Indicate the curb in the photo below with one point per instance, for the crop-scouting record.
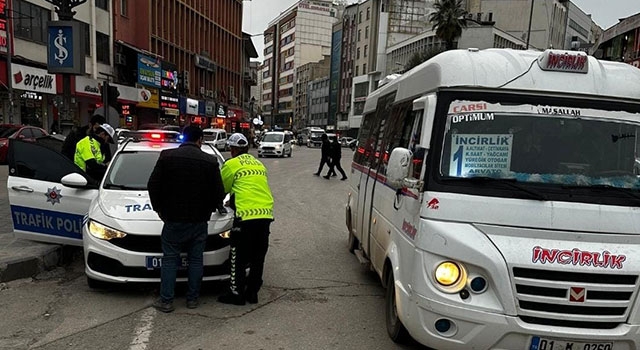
(42, 258)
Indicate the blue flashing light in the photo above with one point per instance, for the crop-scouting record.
(181, 137)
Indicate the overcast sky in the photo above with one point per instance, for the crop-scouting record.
(258, 13)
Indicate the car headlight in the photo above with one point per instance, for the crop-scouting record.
(101, 231)
(278, 146)
(226, 234)
(450, 276)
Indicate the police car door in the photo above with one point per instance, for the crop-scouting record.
(42, 208)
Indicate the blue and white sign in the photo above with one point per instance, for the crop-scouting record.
(480, 155)
(65, 51)
(149, 71)
(47, 222)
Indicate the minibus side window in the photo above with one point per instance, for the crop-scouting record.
(397, 133)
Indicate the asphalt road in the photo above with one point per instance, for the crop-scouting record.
(316, 295)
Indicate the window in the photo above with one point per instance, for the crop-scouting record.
(357, 70)
(366, 32)
(360, 17)
(103, 54)
(31, 21)
(103, 4)
(87, 38)
(364, 68)
(358, 55)
(368, 13)
(359, 32)
(124, 8)
(366, 50)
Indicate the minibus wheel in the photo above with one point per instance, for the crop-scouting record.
(396, 330)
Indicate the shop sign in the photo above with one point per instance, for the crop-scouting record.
(33, 79)
(65, 48)
(149, 98)
(221, 111)
(205, 63)
(210, 108)
(245, 126)
(192, 106)
(149, 71)
(169, 101)
(3, 26)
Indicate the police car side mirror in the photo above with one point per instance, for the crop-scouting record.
(399, 167)
(74, 180)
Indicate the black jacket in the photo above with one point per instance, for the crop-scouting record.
(336, 150)
(326, 149)
(185, 185)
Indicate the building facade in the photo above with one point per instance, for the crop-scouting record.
(318, 102)
(26, 42)
(300, 35)
(170, 48)
(304, 75)
(622, 42)
(347, 63)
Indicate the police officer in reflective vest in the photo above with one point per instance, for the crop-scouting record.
(89, 156)
(245, 179)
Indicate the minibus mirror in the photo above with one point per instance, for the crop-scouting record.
(399, 167)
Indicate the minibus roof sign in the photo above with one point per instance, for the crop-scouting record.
(564, 61)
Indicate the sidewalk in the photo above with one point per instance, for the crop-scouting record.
(22, 258)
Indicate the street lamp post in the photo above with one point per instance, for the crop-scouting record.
(529, 30)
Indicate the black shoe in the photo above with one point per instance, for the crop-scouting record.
(344, 178)
(327, 177)
(192, 304)
(252, 298)
(162, 306)
(316, 174)
(231, 298)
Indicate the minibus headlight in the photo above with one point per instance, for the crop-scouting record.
(450, 276)
(106, 233)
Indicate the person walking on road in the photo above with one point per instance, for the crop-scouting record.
(336, 155)
(185, 212)
(325, 155)
(245, 178)
(88, 153)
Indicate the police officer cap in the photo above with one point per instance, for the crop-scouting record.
(109, 130)
(237, 140)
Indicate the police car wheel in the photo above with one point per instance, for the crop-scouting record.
(396, 330)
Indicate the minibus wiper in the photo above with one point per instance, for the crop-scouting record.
(626, 191)
(510, 182)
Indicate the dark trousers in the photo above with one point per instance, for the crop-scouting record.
(249, 245)
(333, 165)
(180, 237)
(324, 160)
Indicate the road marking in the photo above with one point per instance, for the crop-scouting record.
(143, 330)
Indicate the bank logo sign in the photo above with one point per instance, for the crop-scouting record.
(65, 48)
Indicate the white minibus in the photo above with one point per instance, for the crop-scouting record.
(496, 193)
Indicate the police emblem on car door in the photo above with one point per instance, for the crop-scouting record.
(42, 207)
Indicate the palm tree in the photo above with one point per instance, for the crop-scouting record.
(422, 56)
(448, 20)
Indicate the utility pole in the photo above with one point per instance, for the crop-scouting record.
(64, 9)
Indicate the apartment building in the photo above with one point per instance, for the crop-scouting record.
(304, 75)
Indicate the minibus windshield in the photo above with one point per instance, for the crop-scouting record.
(541, 144)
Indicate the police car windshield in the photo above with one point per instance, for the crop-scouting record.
(542, 144)
(131, 170)
(273, 138)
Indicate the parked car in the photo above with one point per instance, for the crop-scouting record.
(216, 137)
(20, 132)
(345, 140)
(53, 201)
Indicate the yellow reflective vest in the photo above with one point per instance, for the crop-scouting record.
(86, 149)
(246, 178)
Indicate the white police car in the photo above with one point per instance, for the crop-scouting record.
(52, 200)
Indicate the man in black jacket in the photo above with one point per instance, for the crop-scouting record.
(325, 155)
(185, 211)
(336, 155)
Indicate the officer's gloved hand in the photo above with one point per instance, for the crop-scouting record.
(222, 210)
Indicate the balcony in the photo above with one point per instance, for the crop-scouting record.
(251, 77)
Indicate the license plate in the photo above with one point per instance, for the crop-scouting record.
(155, 262)
(538, 343)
